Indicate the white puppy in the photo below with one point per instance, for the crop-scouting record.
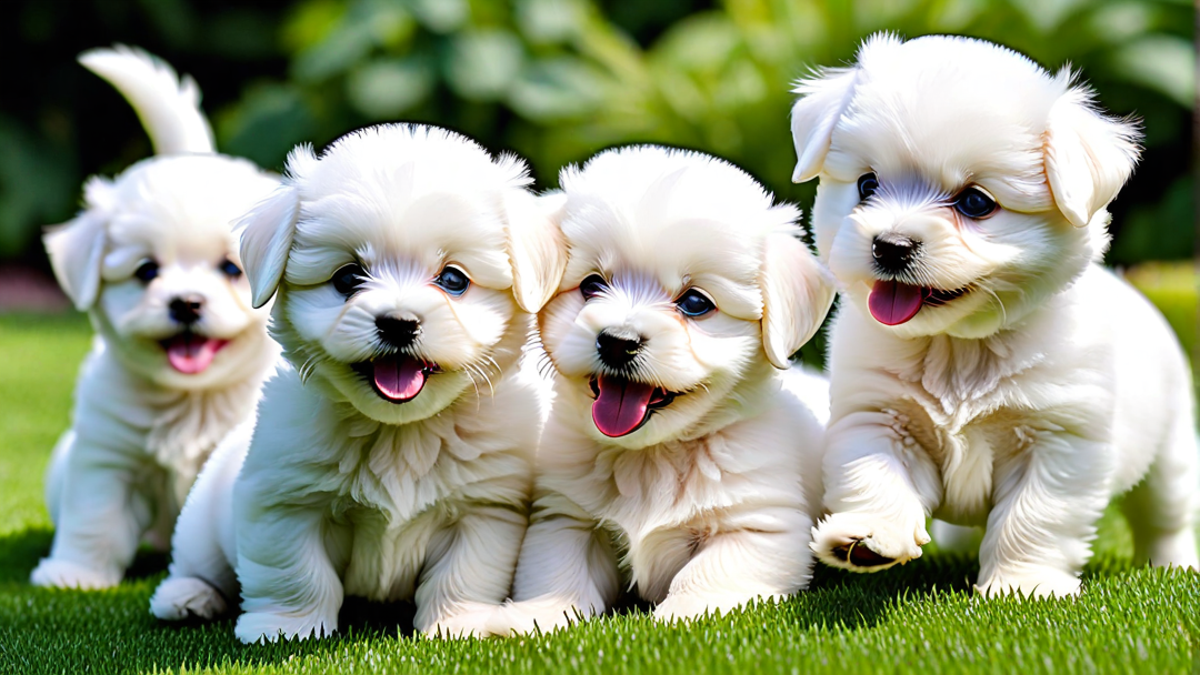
(392, 458)
(985, 369)
(179, 354)
(680, 446)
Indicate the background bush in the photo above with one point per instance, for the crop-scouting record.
(554, 80)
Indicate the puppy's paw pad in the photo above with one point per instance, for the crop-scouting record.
(254, 627)
(178, 598)
(859, 554)
(865, 544)
(62, 574)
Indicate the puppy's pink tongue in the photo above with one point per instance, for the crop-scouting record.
(191, 354)
(399, 378)
(892, 303)
(621, 405)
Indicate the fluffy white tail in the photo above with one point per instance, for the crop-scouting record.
(169, 106)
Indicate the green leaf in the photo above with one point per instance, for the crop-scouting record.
(484, 63)
(1164, 63)
(384, 88)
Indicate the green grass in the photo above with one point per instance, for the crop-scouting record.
(919, 618)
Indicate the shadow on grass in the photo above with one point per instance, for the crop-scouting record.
(21, 551)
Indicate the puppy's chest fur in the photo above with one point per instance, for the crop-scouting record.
(967, 404)
(393, 493)
(175, 430)
(662, 503)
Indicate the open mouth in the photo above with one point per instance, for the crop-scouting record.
(397, 378)
(190, 353)
(893, 303)
(622, 406)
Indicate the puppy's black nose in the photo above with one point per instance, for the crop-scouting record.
(185, 309)
(893, 252)
(618, 349)
(397, 331)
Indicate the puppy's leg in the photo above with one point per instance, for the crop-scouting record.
(98, 524)
(880, 486)
(1046, 501)
(1162, 508)
(201, 578)
(567, 566)
(761, 553)
(468, 572)
(289, 585)
(56, 473)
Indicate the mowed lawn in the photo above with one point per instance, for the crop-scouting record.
(921, 617)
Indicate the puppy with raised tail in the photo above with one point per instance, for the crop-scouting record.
(179, 353)
(392, 454)
(985, 369)
(682, 452)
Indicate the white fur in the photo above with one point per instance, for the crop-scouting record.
(1050, 386)
(709, 504)
(141, 430)
(338, 490)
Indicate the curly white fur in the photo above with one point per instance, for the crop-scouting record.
(708, 503)
(1043, 389)
(338, 489)
(141, 427)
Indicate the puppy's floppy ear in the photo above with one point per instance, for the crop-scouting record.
(76, 248)
(536, 246)
(823, 99)
(797, 293)
(267, 233)
(1088, 156)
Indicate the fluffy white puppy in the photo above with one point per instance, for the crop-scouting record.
(681, 455)
(392, 457)
(985, 369)
(179, 353)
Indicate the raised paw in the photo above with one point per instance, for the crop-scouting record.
(1033, 583)
(255, 627)
(179, 598)
(63, 574)
(866, 543)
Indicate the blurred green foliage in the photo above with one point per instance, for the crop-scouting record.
(556, 80)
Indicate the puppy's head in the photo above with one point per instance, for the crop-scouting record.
(154, 260)
(961, 184)
(403, 258)
(683, 281)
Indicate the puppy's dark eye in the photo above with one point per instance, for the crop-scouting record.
(592, 285)
(452, 280)
(974, 203)
(146, 272)
(348, 278)
(867, 185)
(230, 269)
(694, 304)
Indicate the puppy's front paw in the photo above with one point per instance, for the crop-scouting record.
(255, 627)
(474, 621)
(529, 616)
(178, 598)
(63, 574)
(865, 543)
(1036, 583)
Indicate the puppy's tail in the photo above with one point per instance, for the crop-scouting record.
(169, 106)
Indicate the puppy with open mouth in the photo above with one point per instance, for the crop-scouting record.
(179, 353)
(681, 455)
(392, 453)
(985, 369)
